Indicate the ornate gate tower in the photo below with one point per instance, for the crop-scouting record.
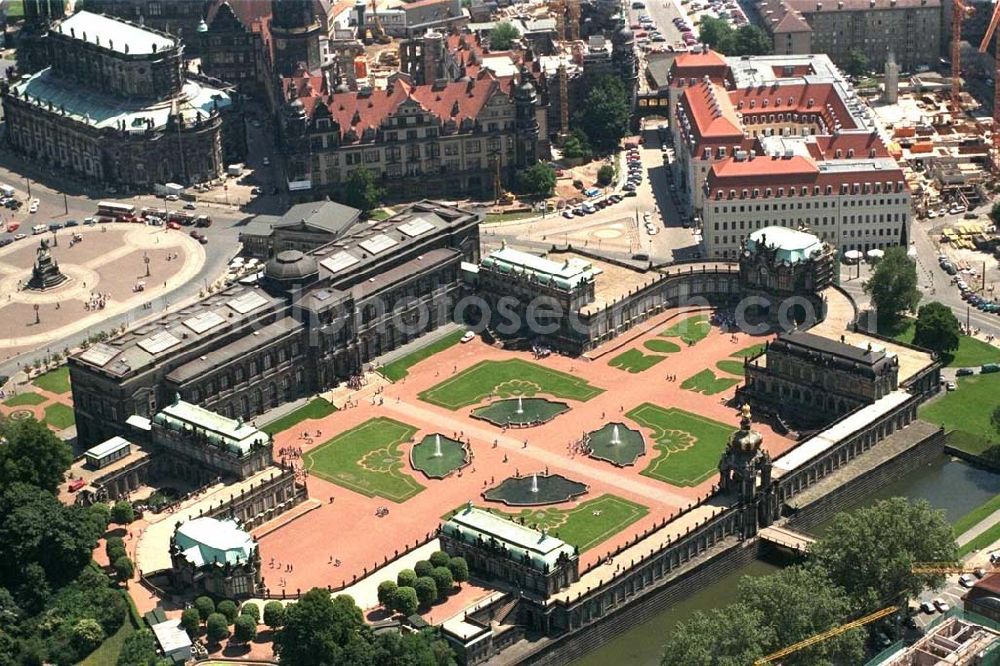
(745, 471)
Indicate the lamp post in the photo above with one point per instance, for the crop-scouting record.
(145, 260)
(37, 320)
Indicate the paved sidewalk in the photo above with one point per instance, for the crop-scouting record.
(979, 528)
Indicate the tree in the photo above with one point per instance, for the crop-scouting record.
(274, 614)
(857, 63)
(459, 569)
(251, 609)
(411, 649)
(799, 602)
(605, 174)
(87, 635)
(503, 35)
(423, 568)
(405, 601)
(191, 621)
(893, 287)
(386, 593)
(139, 649)
(245, 629)
(124, 569)
(33, 455)
(228, 608)
(605, 113)
(443, 581)
(361, 191)
(205, 607)
(100, 515)
(122, 512)
(406, 578)
(217, 627)
(538, 180)
(729, 636)
(576, 146)
(321, 630)
(745, 40)
(114, 548)
(427, 591)
(751, 40)
(36, 528)
(995, 213)
(937, 328)
(870, 552)
(439, 558)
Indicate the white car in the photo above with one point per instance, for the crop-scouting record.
(568, 214)
(468, 337)
(927, 607)
(171, 197)
(33, 208)
(266, 161)
(652, 230)
(941, 605)
(966, 580)
(951, 386)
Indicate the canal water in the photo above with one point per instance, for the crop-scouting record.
(947, 483)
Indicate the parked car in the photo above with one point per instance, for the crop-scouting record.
(171, 197)
(568, 214)
(966, 580)
(941, 605)
(72, 223)
(189, 206)
(964, 372)
(18, 237)
(469, 336)
(927, 607)
(55, 226)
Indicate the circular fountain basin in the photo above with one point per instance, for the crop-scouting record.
(533, 490)
(520, 412)
(624, 452)
(454, 455)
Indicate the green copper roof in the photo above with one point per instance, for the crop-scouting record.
(207, 540)
(793, 246)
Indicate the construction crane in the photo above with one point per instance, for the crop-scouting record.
(959, 12)
(826, 635)
(950, 568)
(983, 47)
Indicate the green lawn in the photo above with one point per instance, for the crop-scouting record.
(107, 652)
(706, 382)
(976, 516)
(506, 379)
(54, 381)
(380, 214)
(634, 360)
(579, 526)
(23, 399)
(967, 412)
(690, 330)
(732, 367)
(689, 445)
(401, 367)
(493, 218)
(661, 346)
(981, 541)
(971, 352)
(316, 408)
(59, 416)
(367, 459)
(752, 350)
(14, 9)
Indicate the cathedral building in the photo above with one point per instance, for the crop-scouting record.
(115, 108)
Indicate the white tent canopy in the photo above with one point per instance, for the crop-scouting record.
(875, 253)
(853, 255)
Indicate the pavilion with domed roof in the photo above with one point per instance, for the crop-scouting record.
(745, 474)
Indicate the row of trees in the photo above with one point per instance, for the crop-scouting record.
(745, 40)
(863, 563)
(319, 630)
(427, 582)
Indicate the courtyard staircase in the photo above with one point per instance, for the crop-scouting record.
(502, 613)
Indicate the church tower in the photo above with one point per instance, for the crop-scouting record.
(745, 472)
(296, 31)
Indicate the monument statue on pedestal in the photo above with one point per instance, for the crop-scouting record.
(46, 273)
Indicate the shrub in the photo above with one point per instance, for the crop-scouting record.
(87, 635)
(406, 578)
(427, 592)
(114, 548)
(122, 513)
(423, 568)
(386, 593)
(217, 627)
(245, 629)
(205, 607)
(124, 569)
(459, 569)
(605, 174)
(443, 580)
(251, 609)
(228, 608)
(406, 601)
(439, 558)
(191, 621)
(274, 614)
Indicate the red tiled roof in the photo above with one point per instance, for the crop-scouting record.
(697, 66)
(825, 147)
(712, 116)
(810, 6)
(819, 98)
(990, 583)
(456, 101)
(774, 172)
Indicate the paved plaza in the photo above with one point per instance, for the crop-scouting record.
(106, 264)
(361, 529)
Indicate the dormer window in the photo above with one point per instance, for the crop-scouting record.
(781, 191)
(767, 192)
